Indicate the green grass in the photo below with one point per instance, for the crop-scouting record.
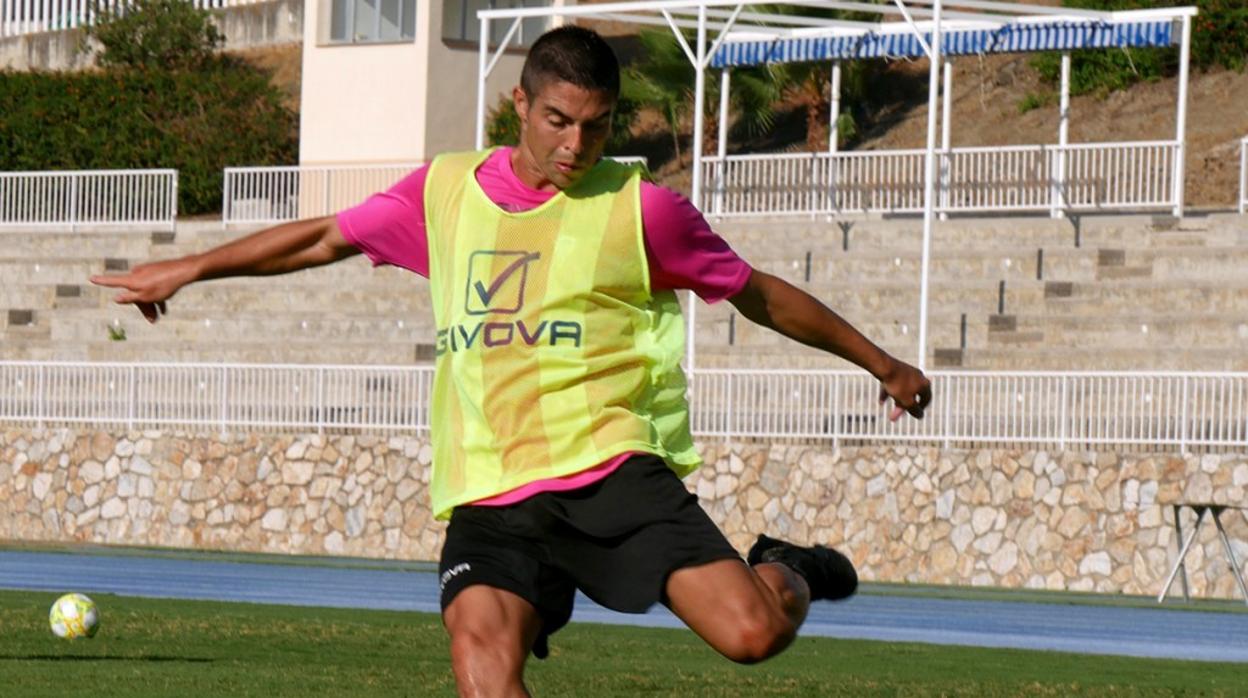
(151, 647)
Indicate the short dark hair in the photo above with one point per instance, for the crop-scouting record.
(571, 54)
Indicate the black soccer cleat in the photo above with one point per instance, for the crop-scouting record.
(829, 574)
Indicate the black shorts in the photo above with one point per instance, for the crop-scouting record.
(617, 540)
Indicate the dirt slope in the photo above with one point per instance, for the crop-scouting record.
(987, 93)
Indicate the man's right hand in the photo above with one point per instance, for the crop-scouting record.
(148, 286)
(910, 390)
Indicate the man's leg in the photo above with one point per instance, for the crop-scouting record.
(745, 613)
(492, 632)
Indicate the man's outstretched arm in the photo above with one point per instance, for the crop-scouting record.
(277, 250)
(778, 305)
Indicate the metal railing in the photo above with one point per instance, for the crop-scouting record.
(1090, 176)
(275, 194)
(216, 396)
(19, 17)
(88, 197)
(1243, 175)
(1062, 410)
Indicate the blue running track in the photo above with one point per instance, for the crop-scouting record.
(1140, 632)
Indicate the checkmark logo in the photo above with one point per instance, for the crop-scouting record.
(501, 291)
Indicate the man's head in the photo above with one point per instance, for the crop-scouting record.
(568, 89)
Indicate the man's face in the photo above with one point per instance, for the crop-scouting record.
(563, 129)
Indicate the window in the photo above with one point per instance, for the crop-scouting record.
(459, 21)
(371, 21)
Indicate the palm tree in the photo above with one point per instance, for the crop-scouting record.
(664, 80)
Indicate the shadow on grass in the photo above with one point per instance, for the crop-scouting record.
(101, 658)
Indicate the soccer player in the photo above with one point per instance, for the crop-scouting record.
(560, 424)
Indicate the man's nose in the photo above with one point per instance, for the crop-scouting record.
(575, 141)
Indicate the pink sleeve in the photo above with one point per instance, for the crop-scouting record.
(683, 251)
(390, 227)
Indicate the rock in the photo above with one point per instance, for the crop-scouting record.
(1199, 489)
(355, 521)
(406, 489)
(982, 519)
(1072, 522)
(127, 485)
(40, 485)
(101, 446)
(944, 505)
(124, 448)
(706, 490)
(961, 537)
(274, 520)
(91, 472)
(140, 466)
(771, 510)
(297, 472)
(876, 486)
(333, 543)
(923, 483)
(1024, 485)
(296, 450)
(87, 517)
(1240, 476)
(113, 508)
(1004, 560)
(1096, 563)
(988, 543)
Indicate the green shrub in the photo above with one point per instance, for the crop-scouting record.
(156, 34)
(195, 122)
(1034, 101)
(162, 102)
(1219, 39)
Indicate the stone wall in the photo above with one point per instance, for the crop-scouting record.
(1093, 521)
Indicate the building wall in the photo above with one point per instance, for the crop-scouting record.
(452, 100)
(1090, 521)
(362, 103)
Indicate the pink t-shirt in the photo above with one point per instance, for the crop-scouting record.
(682, 250)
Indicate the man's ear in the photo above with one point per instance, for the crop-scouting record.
(521, 102)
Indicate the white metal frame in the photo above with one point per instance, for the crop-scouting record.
(729, 19)
(275, 194)
(73, 198)
(1162, 410)
(1243, 175)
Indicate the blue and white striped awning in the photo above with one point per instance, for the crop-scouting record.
(1009, 38)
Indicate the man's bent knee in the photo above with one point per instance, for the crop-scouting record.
(759, 636)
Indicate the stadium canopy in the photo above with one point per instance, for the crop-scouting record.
(753, 32)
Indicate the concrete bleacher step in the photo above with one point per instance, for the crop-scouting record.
(347, 353)
(1159, 332)
(856, 233)
(225, 326)
(1126, 295)
(57, 245)
(1096, 359)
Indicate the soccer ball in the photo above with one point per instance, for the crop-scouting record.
(74, 616)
